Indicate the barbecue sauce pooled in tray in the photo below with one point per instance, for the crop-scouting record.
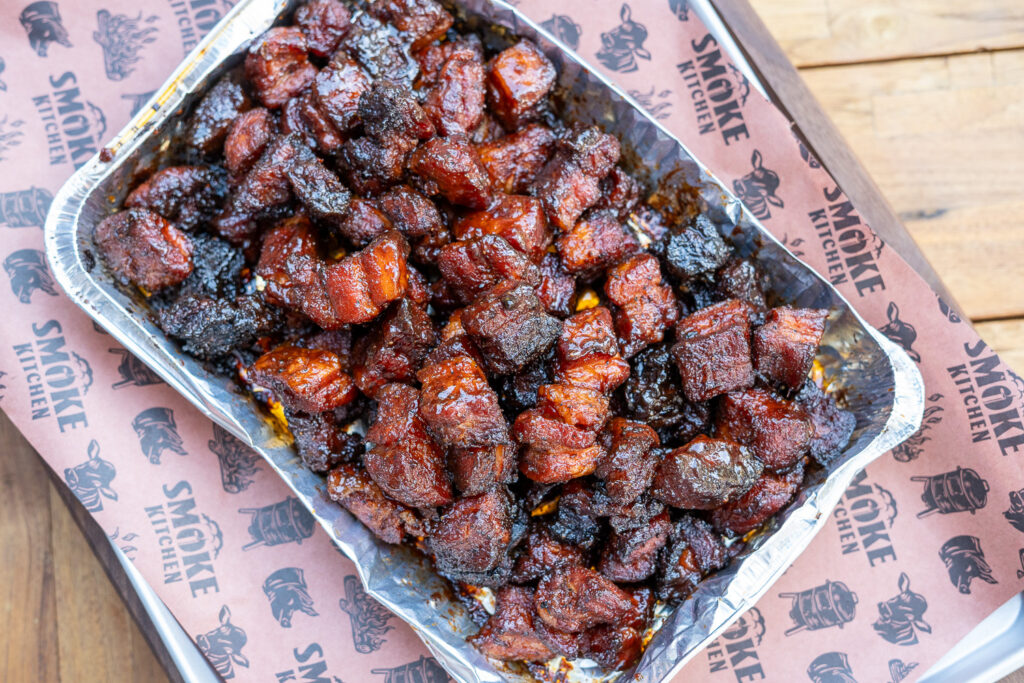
(384, 228)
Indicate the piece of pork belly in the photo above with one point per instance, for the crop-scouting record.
(420, 21)
(576, 598)
(249, 135)
(632, 555)
(510, 327)
(473, 534)
(769, 494)
(519, 219)
(144, 249)
(518, 79)
(785, 346)
(540, 552)
(215, 114)
(646, 306)
(361, 285)
(693, 551)
(595, 243)
(705, 473)
(395, 348)
(322, 443)
(776, 430)
(184, 195)
(306, 380)
(628, 466)
(570, 182)
(510, 634)
(654, 395)
(588, 353)
(451, 168)
(350, 485)
(455, 102)
(557, 288)
(337, 90)
(513, 161)
(278, 65)
(323, 22)
(696, 250)
(712, 350)
(618, 646)
(471, 267)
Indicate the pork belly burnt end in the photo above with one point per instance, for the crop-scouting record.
(628, 465)
(693, 551)
(510, 328)
(518, 79)
(214, 115)
(769, 494)
(184, 195)
(776, 430)
(654, 394)
(645, 305)
(712, 350)
(576, 598)
(471, 267)
(451, 168)
(403, 459)
(350, 485)
(395, 348)
(588, 353)
(211, 327)
(593, 244)
(511, 633)
(784, 347)
(540, 552)
(320, 191)
(696, 250)
(323, 444)
(557, 288)
(552, 450)
(278, 65)
(513, 161)
(361, 285)
(249, 136)
(473, 534)
(142, 248)
(618, 646)
(337, 90)
(421, 21)
(323, 22)
(705, 473)
(570, 182)
(305, 380)
(632, 555)
(455, 102)
(518, 219)
(831, 426)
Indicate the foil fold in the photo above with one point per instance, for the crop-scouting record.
(880, 384)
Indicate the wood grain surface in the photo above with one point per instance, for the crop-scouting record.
(929, 96)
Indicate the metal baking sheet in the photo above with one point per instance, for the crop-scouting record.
(882, 385)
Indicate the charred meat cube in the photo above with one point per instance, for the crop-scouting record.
(511, 634)
(475, 469)
(304, 380)
(419, 288)
(391, 109)
(518, 219)
(570, 182)
(337, 91)
(554, 451)
(519, 391)
(379, 48)
(576, 598)
(361, 285)
(518, 79)
(510, 328)
(557, 288)
(451, 168)
(323, 22)
(473, 534)
(698, 249)
(712, 350)
(693, 551)
(216, 268)
(784, 347)
(620, 193)
(577, 406)
(364, 222)
(321, 442)
(455, 102)
(350, 485)
(371, 166)
(214, 115)
(513, 161)
(588, 354)
(418, 219)
(458, 404)
(144, 249)
(424, 21)
(303, 117)
(831, 426)
(632, 555)
(404, 461)
(654, 394)
(646, 305)
(540, 552)
(618, 646)
(593, 244)
(249, 136)
(210, 327)
(627, 468)
(395, 348)
(278, 65)
(294, 273)
(705, 473)
(432, 57)
(575, 520)
(742, 279)
(768, 495)
(472, 267)
(320, 191)
(776, 430)
(184, 195)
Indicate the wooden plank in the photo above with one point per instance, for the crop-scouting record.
(28, 651)
(943, 136)
(1007, 338)
(819, 32)
(821, 135)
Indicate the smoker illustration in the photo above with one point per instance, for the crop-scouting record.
(24, 208)
(283, 522)
(962, 490)
(830, 604)
(423, 670)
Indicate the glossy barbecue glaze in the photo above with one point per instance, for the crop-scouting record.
(386, 231)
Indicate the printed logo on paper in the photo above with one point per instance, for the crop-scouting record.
(864, 516)
(311, 666)
(28, 273)
(133, 372)
(965, 561)
(898, 670)
(425, 669)
(158, 433)
(657, 104)
(624, 44)
(3, 65)
(680, 8)
(831, 667)
(901, 618)
(195, 18)
(959, 490)
(716, 90)
(828, 605)
(758, 190)
(25, 208)
(900, 332)
(850, 248)
(124, 542)
(57, 378)
(42, 23)
(285, 522)
(369, 618)
(1015, 513)
(223, 645)
(188, 540)
(564, 28)
(736, 649)
(238, 463)
(991, 398)
(914, 445)
(75, 127)
(91, 480)
(122, 38)
(287, 592)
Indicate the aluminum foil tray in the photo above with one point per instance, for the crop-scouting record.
(880, 384)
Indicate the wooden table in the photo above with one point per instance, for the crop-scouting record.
(929, 94)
